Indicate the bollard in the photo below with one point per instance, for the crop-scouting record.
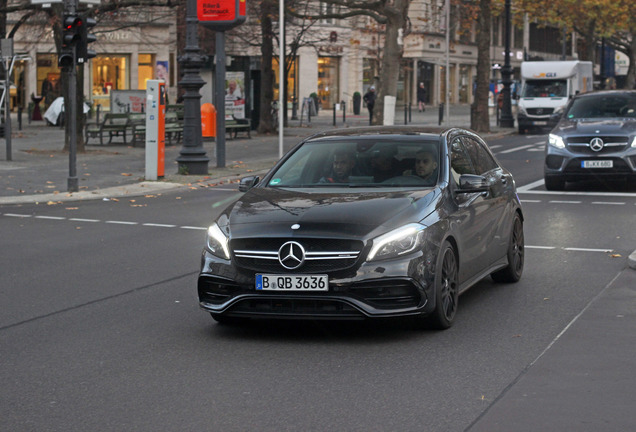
(208, 120)
(19, 117)
(441, 113)
(410, 114)
(309, 110)
(344, 111)
(405, 115)
(334, 114)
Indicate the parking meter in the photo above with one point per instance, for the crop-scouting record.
(155, 129)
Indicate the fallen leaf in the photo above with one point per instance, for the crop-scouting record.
(126, 174)
(615, 255)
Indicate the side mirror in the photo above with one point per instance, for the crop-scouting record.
(248, 183)
(470, 183)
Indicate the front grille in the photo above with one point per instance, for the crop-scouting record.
(539, 111)
(611, 144)
(322, 255)
(295, 307)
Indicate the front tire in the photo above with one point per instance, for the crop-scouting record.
(446, 289)
(516, 253)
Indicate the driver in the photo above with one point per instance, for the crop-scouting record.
(343, 163)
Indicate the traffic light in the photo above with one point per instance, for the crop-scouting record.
(83, 53)
(71, 25)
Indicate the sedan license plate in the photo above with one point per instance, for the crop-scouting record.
(597, 164)
(540, 123)
(292, 282)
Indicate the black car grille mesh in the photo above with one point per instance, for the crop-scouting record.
(540, 111)
(322, 255)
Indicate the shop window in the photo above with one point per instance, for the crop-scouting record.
(328, 81)
(292, 81)
(146, 70)
(109, 72)
(48, 78)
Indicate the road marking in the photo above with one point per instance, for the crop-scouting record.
(17, 215)
(540, 247)
(122, 222)
(193, 228)
(588, 250)
(517, 149)
(84, 220)
(527, 189)
(159, 225)
(607, 203)
(531, 201)
(564, 202)
(51, 217)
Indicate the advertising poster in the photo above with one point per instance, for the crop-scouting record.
(235, 95)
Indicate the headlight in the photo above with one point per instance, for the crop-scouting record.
(217, 242)
(634, 142)
(521, 110)
(397, 242)
(556, 141)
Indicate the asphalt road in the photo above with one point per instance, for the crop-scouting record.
(100, 327)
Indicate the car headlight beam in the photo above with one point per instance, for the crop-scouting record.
(556, 141)
(217, 242)
(397, 242)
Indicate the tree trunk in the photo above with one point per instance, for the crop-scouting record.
(266, 124)
(479, 119)
(630, 82)
(391, 57)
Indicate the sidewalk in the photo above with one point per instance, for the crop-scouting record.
(39, 168)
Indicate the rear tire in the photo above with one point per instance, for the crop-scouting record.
(516, 253)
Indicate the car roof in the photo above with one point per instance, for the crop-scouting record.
(428, 131)
(602, 93)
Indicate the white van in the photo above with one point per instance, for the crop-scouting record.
(546, 87)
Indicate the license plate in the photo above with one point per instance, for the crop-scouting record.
(541, 123)
(597, 164)
(292, 282)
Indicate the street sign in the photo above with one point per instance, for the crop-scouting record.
(221, 15)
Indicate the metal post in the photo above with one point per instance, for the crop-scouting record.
(192, 156)
(334, 114)
(344, 111)
(70, 7)
(219, 98)
(506, 120)
(406, 113)
(7, 111)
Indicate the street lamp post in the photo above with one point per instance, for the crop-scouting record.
(192, 156)
(507, 120)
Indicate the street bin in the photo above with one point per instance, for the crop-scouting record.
(208, 120)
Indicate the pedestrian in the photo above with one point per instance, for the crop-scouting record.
(421, 97)
(369, 99)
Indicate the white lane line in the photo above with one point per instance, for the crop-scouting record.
(564, 202)
(531, 201)
(607, 203)
(493, 147)
(159, 225)
(17, 215)
(532, 185)
(517, 149)
(527, 189)
(122, 222)
(193, 228)
(588, 250)
(84, 220)
(540, 247)
(50, 217)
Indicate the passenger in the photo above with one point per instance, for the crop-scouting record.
(343, 163)
(384, 165)
(425, 166)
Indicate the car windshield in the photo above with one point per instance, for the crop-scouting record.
(363, 162)
(545, 88)
(603, 106)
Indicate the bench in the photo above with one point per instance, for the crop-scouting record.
(137, 125)
(238, 125)
(116, 125)
(174, 126)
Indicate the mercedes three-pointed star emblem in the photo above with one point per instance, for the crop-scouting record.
(291, 255)
(596, 144)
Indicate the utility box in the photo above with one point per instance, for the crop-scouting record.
(155, 129)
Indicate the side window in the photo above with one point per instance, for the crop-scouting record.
(482, 160)
(460, 162)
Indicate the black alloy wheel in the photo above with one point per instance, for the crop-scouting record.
(446, 289)
(516, 253)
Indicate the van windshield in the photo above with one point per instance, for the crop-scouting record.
(545, 88)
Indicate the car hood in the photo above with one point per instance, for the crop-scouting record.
(612, 126)
(272, 212)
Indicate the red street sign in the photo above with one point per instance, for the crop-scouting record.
(221, 14)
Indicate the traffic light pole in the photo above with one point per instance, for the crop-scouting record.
(70, 7)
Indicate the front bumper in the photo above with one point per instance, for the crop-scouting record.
(392, 288)
(564, 163)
